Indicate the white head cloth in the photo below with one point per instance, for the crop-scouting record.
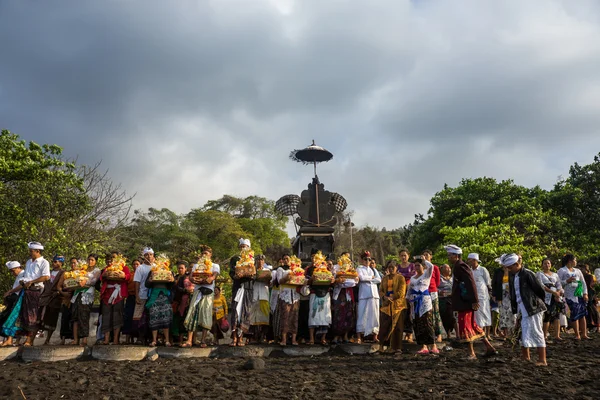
(499, 259)
(474, 256)
(147, 250)
(13, 264)
(453, 249)
(35, 246)
(509, 259)
(244, 242)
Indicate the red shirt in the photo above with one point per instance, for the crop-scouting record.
(106, 292)
(435, 279)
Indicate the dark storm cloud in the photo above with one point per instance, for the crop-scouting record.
(207, 98)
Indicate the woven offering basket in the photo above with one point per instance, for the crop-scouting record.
(245, 271)
(115, 275)
(264, 275)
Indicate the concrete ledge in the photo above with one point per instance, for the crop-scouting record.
(53, 353)
(359, 349)
(9, 352)
(245, 351)
(193, 352)
(139, 353)
(295, 351)
(121, 353)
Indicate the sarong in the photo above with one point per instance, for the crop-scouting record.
(578, 310)
(367, 321)
(200, 312)
(112, 316)
(344, 313)
(319, 316)
(9, 302)
(66, 326)
(160, 312)
(408, 323)
(11, 326)
(507, 318)
(30, 310)
(50, 318)
(242, 308)
(424, 331)
(80, 315)
(128, 314)
(391, 329)
(593, 317)
(259, 313)
(276, 320)
(532, 333)
(483, 316)
(288, 317)
(302, 322)
(447, 314)
(553, 311)
(468, 329)
(437, 319)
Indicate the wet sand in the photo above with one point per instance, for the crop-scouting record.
(573, 373)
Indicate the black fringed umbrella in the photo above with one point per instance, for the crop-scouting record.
(312, 154)
(288, 204)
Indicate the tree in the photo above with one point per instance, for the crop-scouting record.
(490, 217)
(39, 194)
(577, 200)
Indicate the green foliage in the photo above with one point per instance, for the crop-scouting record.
(40, 197)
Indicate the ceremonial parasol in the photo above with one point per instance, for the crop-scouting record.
(339, 202)
(312, 154)
(288, 204)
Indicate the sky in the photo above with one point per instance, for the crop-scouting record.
(186, 101)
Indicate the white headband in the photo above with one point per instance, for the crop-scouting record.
(474, 256)
(453, 249)
(35, 246)
(13, 264)
(147, 250)
(245, 242)
(509, 259)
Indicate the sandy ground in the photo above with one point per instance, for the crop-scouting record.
(573, 373)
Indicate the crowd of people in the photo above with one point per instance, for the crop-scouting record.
(409, 300)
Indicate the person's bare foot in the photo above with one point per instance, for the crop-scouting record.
(541, 364)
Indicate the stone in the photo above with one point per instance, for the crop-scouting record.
(153, 357)
(9, 352)
(121, 353)
(52, 353)
(254, 364)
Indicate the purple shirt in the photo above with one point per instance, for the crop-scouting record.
(407, 272)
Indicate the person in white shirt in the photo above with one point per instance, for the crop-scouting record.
(37, 271)
(576, 294)
(527, 298)
(343, 306)
(483, 283)
(140, 316)
(82, 301)
(421, 306)
(368, 299)
(260, 309)
(8, 328)
(199, 314)
(288, 305)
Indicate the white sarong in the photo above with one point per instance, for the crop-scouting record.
(319, 311)
(532, 333)
(368, 316)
